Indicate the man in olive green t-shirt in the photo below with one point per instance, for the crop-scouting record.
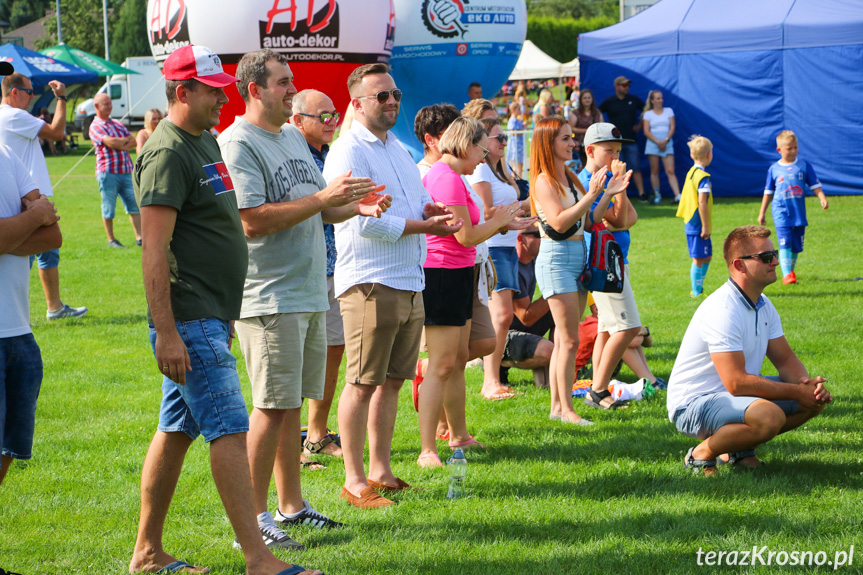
(194, 260)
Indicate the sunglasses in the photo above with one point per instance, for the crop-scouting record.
(486, 151)
(28, 91)
(384, 96)
(501, 138)
(765, 257)
(326, 118)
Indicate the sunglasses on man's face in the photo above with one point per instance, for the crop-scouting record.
(326, 118)
(501, 138)
(28, 91)
(384, 96)
(765, 257)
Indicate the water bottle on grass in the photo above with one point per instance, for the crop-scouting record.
(457, 465)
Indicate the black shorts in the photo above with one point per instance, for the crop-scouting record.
(448, 296)
(520, 345)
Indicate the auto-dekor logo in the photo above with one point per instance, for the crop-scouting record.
(167, 26)
(443, 17)
(316, 26)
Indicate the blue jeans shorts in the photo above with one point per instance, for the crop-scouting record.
(211, 403)
(791, 238)
(699, 247)
(112, 185)
(506, 267)
(706, 414)
(47, 260)
(559, 266)
(20, 382)
(629, 154)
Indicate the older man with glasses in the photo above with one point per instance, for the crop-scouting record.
(379, 281)
(716, 392)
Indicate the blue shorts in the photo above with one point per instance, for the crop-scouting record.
(629, 154)
(652, 149)
(699, 247)
(506, 267)
(47, 260)
(791, 238)
(112, 185)
(211, 403)
(559, 266)
(20, 382)
(706, 414)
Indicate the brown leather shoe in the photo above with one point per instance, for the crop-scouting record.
(400, 485)
(368, 499)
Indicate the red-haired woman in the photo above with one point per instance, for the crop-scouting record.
(562, 204)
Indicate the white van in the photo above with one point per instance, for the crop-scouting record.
(132, 95)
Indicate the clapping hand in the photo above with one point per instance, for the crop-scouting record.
(374, 204)
(619, 179)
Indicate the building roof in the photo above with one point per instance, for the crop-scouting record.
(28, 34)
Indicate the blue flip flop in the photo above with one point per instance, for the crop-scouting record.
(295, 570)
(174, 567)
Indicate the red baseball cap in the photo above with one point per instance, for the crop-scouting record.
(198, 63)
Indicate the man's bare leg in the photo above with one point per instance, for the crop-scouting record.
(5, 462)
(159, 478)
(353, 415)
(286, 470)
(50, 278)
(319, 410)
(109, 229)
(265, 428)
(136, 225)
(381, 427)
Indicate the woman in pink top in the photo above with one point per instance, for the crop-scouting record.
(448, 295)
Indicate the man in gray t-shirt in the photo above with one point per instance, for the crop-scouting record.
(283, 200)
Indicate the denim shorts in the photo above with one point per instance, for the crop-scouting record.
(112, 185)
(629, 154)
(211, 403)
(506, 267)
(559, 266)
(706, 414)
(652, 149)
(699, 247)
(791, 238)
(47, 260)
(20, 382)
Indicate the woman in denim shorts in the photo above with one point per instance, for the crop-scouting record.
(562, 205)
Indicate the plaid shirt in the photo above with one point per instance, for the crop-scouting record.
(109, 160)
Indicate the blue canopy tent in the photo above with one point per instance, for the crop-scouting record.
(740, 72)
(41, 69)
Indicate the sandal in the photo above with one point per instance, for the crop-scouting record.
(594, 399)
(317, 447)
(467, 444)
(312, 465)
(735, 458)
(706, 466)
(436, 463)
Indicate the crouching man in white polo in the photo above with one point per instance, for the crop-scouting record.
(716, 392)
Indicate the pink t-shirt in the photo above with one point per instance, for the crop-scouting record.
(446, 186)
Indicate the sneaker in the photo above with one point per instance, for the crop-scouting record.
(676, 199)
(115, 244)
(66, 311)
(660, 384)
(307, 516)
(657, 198)
(274, 538)
(139, 242)
(790, 278)
(643, 199)
(694, 295)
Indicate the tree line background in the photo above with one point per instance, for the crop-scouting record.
(553, 25)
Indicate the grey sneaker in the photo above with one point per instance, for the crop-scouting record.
(115, 244)
(307, 516)
(66, 311)
(275, 538)
(139, 243)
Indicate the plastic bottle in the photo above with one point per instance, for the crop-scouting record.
(457, 465)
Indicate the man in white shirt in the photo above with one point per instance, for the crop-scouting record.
(716, 392)
(28, 225)
(379, 281)
(21, 132)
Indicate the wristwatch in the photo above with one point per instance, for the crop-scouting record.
(64, 98)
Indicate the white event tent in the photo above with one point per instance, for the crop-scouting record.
(534, 64)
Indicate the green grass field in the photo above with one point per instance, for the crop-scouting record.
(545, 498)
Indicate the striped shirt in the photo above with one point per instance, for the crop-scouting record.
(373, 250)
(109, 160)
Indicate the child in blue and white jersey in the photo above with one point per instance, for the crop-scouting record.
(786, 185)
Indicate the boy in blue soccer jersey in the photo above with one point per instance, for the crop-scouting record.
(696, 209)
(787, 181)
